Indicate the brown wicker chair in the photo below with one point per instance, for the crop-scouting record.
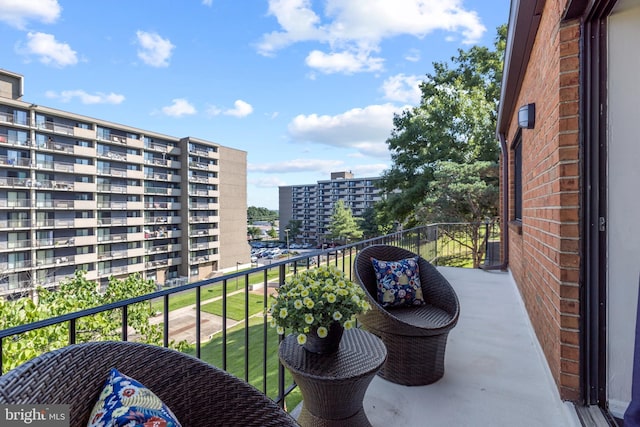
(199, 394)
(415, 337)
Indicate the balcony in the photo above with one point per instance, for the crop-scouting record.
(120, 237)
(495, 372)
(14, 244)
(14, 119)
(55, 261)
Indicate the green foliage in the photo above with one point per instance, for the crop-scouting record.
(466, 193)
(75, 294)
(316, 298)
(294, 226)
(272, 233)
(374, 222)
(261, 214)
(461, 192)
(455, 122)
(343, 226)
(254, 232)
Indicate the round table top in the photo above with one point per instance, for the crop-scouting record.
(360, 353)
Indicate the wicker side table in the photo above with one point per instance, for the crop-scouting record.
(333, 386)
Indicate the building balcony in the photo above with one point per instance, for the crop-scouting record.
(110, 238)
(15, 223)
(14, 119)
(495, 371)
(112, 271)
(55, 261)
(122, 253)
(14, 244)
(17, 162)
(55, 242)
(113, 221)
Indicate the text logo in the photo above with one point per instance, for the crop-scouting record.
(34, 415)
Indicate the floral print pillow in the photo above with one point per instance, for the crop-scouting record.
(126, 402)
(398, 282)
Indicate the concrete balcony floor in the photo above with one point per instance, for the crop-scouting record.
(495, 371)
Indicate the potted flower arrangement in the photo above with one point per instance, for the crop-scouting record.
(317, 305)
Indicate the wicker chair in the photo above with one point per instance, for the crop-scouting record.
(199, 394)
(415, 337)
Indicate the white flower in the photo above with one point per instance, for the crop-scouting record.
(322, 332)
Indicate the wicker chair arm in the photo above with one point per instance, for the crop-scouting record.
(197, 393)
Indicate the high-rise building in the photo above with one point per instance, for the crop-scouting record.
(312, 204)
(83, 193)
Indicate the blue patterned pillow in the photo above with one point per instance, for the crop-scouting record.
(398, 282)
(126, 402)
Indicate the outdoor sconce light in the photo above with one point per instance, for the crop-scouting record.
(527, 116)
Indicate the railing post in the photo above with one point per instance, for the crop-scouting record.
(435, 257)
(198, 321)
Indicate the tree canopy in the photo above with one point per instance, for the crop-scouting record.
(295, 227)
(76, 294)
(455, 122)
(261, 214)
(343, 225)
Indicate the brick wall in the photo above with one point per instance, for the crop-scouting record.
(544, 248)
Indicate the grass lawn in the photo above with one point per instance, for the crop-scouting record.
(211, 352)
(236, 306)
(186, 298)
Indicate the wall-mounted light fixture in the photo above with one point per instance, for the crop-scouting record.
(527, 116)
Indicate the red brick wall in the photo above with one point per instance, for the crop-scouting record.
(544, 252)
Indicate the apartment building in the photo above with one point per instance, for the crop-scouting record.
(83, 193)
(313, 204)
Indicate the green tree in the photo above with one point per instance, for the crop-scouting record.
(343, 226)
(374, 222)
(254, 232)
(465, 193)
(261, 214)
(272, 233)
(455, 121)
(295, 227)
(75, 294)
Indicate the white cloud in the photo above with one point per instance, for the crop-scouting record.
(17, 12)
(267, 182)
(297, 165)
(180, 107)
(364, 171)
(213, 111)
(363, 129)
(49, 50)
(298, 22)
(413, 55)
(207, 2)
(403, 88)
(240, 109)
(86, 98)
(154, 50)
(343, 62)
(358, 27)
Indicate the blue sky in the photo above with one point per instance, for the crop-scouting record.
(305, 87)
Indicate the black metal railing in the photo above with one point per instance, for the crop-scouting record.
(442, 244)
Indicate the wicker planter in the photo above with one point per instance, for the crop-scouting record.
(326, 345)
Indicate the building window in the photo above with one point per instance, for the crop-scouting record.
(517, 177)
